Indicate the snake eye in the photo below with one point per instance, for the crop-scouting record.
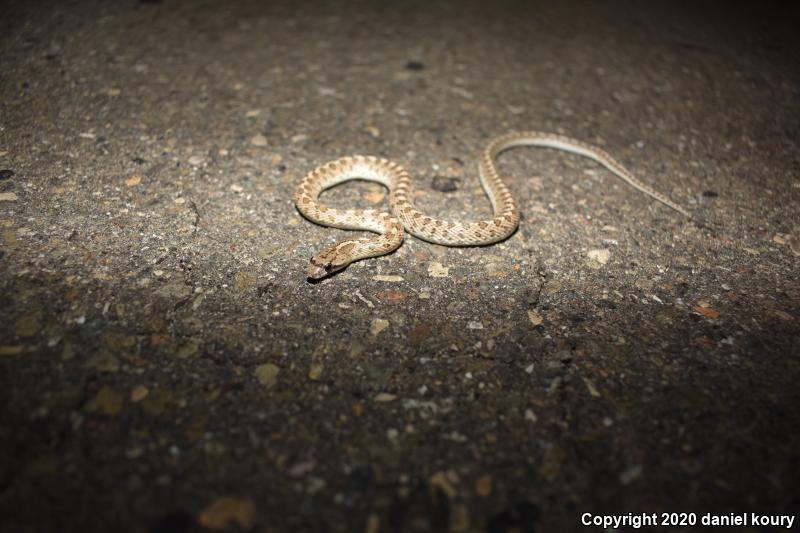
(328, 267)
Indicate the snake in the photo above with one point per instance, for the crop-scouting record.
(404, 216)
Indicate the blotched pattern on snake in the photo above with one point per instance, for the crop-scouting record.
(405, 217)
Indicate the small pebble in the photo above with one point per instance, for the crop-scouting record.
(267, 374)
(258, 140)
(378, 325)
(390, 279)
(227, 511)
(706, 311)
(383, 397)
(437, 270)
(599, 256)
(444, 480)
(534, 317)
(591, 388)
(794, 244)
(139, 393)
(302, 468)
(392, 297)
(483, 487)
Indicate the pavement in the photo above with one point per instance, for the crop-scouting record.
(165, 366)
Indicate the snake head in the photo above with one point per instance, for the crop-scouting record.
(330, 260)
(319, 270)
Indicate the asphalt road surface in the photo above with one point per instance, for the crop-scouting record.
(165, 366)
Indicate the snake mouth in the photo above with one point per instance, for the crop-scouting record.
(317, 270)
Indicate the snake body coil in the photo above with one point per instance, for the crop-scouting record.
(405, 217)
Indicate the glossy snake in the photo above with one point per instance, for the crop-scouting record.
(390, 227)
